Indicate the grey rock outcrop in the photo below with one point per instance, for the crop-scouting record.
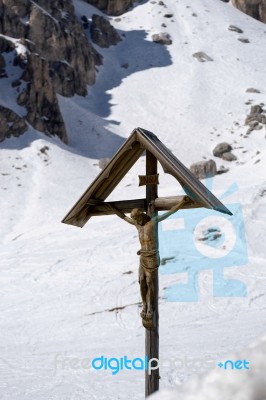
(202, 57)
(58, 58)
(103, 33)
(204, 169)
(221, 148)
(57, 36)
(11, 12)
(256, 118)
(112, 7)
(162, 38)
(40, 99)
(2, 61)
(10, 124)
(252, 90)
(2, 67)
(228, 156)
(254, 8)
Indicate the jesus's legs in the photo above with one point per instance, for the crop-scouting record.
(143, 292)
(149, 295)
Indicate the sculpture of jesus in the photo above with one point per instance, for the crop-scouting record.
(149, 253)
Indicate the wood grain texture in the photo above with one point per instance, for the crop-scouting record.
(152, 335)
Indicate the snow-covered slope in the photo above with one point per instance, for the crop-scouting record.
(220, 384)
(58, 282)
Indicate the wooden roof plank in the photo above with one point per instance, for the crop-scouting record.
(171, 165)
(120, 164)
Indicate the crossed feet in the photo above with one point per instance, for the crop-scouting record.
(147, 315)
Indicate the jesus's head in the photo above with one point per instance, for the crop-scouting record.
(140, 217)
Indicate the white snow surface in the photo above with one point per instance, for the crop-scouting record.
(59, 283)
(227, 384)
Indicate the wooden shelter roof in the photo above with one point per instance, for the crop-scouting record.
(139, 141)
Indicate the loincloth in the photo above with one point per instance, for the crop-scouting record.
(149, 260)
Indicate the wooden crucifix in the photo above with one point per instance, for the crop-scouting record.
(144, 216)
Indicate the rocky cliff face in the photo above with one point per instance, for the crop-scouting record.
(254, 8)
(47, 42)
(112, 7)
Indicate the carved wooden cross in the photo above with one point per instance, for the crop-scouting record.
(93, 203)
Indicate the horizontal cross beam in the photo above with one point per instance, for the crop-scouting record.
(126, 206)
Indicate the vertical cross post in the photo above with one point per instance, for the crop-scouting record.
(152, 334)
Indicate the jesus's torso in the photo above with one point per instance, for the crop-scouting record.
(147, 236)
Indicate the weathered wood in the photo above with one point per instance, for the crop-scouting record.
(119, 170)
(161, 204)
(148, 180)
(165, 203)
(121, 163)
(152, 335)
(124, 206)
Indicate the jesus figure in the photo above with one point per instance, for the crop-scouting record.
(149, 253)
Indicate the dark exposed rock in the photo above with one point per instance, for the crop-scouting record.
(252, 126)
(3, 74)
(204, 169)
(162, 38)
(221, 148)
(256, 109)
(103, 33)
(234, 28)
(254, 8)
(2, 62)
(64, 40)
(10, 124)
(261, 118)
(84, 18)
(243, 40)
(202, 57)
(125, 65)
(255, 118)
(228, 156)
(22, 98)
(251, 120)
(20, 60)
(63, 78)
(20, 8)
(11, 12)
(40, 99)
(252, 90)
(112, 7)
(67, 59)
(222, 170)
(6, 46)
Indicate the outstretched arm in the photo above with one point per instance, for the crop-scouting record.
(121, 215)
(94, 202)
(175, 208)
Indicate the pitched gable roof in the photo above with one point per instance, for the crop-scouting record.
(139, 141)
